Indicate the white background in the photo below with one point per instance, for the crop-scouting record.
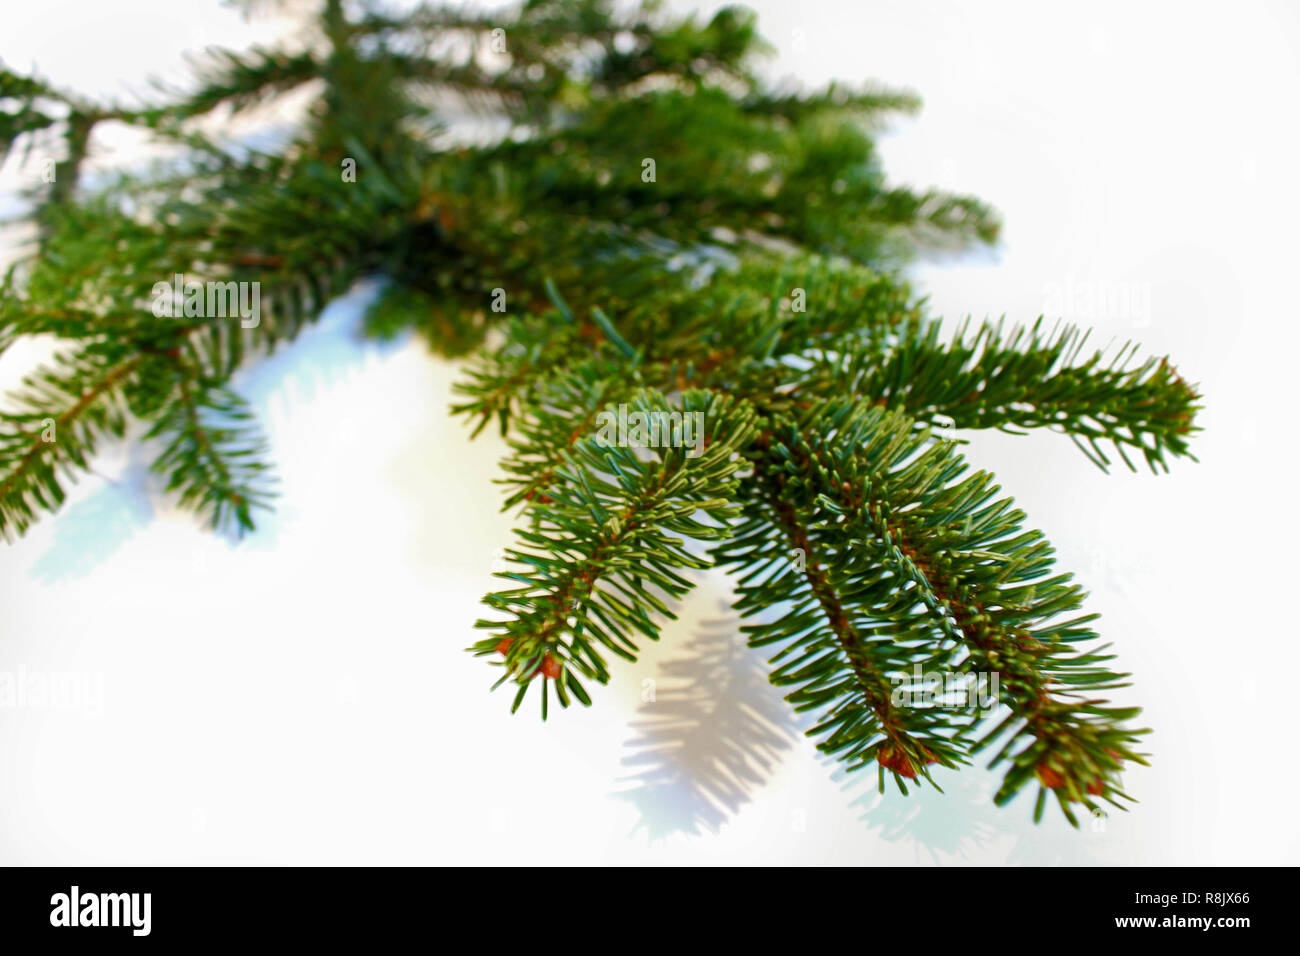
(303, 696)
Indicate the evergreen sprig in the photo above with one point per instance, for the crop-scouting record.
(1030, 378)
(604, 548)
(213, 456)
(909, 561)
(618, 218)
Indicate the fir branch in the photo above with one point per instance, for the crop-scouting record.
(1030, 378)
(61, 414)
(973, 575)
(834, 651)
(610, 528)
(212, 458)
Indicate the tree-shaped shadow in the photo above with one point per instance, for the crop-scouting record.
(712, 734)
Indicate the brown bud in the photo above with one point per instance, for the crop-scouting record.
(897, 761)
(1050, 777)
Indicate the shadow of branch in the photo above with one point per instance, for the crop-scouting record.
(709, 735)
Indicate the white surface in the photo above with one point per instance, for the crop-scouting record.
(304, 697)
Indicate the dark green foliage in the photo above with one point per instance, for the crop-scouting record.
(54, 426)
(212, 454)
(909, 560)
(1027, 379)
(637, 225)
(604, 545)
